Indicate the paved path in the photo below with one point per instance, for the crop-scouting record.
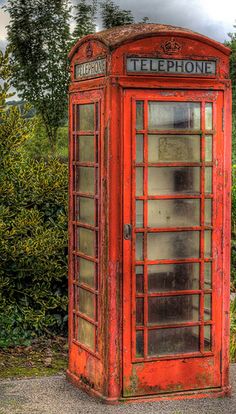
(54, 395)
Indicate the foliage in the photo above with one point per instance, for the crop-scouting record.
(84, 18)
(33, 232)
(37, 146)
(233, 331)
(39, 36)
(112, 15)
(232, 44)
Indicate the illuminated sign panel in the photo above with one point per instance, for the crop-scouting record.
(90, 69)
(181, 66)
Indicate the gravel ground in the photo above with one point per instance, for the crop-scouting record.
(54, 395)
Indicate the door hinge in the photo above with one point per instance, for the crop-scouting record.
(127, 231)
(223, 119)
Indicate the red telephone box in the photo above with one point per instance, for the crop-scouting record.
(149, 245)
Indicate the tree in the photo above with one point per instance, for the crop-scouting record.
(39, 36)
(113, 15)
(85, 18)
(232, 44)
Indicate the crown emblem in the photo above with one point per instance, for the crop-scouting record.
(89, 50)
(171, 46)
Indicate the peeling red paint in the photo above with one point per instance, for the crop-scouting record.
(112, 371)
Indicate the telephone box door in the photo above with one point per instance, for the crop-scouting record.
(172, 286)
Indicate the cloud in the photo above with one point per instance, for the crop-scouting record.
(213, 18)
(4, 20)
(196, 15)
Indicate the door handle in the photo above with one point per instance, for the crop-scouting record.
(127, 231)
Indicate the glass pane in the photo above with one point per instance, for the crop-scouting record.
(207, 273)
(173, 309)
(86, 303)
(208, 148)
(85, 180)
(87, 210)
(87, 272)
(86, 239)
(208, 115)
(173, 180)
(208, 180)
(139, 311)
(139, 279)
(173, 148)
(207, 243)
(139, 246)
(85, 148)
(173, 341)
(86, 333)
(139, 115)
(207, 338)
(139, 344)
(207, 307)
(139, 148)
(85, 117)
(168, 277)
(139, 213)
(173, 245)
(139, 181)
(208, 212)
(173, 213)
(173, 115)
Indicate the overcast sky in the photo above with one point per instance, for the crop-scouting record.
(214, 18)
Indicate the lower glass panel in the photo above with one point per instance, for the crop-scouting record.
(173, 309)
(207, 338)
(86, 241)
(139, 246)
(87, 272)
(87, 210)
(173, 341)
(169, 277)
(207, 243)
(139, 279)
(85, 148)
(86, 333)
(174, 148)
(139, 311)
(139, 344)
(173, 245)
(85, 180)
(139, 213)
(207, 276)
(207, 307)
(86, 303)
(173, 180)
(208, 211)
(139, 148)
(139, 181)
(208, 180)
(173, 213)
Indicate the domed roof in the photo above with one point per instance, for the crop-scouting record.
(116, 36)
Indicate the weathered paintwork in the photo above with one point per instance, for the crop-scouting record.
(112, 372)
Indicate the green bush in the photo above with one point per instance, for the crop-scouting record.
(233, 331)
(33, 230)
(33, 247)
(37, 146)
